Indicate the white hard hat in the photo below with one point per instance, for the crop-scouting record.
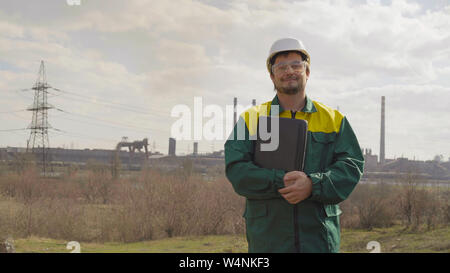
(286, 44)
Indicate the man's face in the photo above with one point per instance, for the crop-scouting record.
(289, 81)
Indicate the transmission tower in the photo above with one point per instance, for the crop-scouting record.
(39, 141)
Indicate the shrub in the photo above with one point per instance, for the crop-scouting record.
(152, 204)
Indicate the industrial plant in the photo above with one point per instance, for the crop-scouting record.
(134, 154)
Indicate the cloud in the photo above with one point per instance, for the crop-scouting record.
(170, 53)
(156, 54)
(11, 30)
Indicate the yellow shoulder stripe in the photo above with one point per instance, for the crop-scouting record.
(251, 116)
(326, 119)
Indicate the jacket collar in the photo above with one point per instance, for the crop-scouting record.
(308, 108)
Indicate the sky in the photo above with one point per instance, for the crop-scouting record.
(122, 66)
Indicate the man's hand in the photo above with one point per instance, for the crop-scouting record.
(298, 187)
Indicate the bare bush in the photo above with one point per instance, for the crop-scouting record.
(220, 209)
(93, 206)
(381, 205)
(97, 187)
(68, 221)
(132, 212)
(369, 206)
(418, 205)
(173, 209)
(23, 162)
(446, 209)
(166, 206)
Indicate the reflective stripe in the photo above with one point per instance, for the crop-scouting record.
(251, 116)
(326, 119)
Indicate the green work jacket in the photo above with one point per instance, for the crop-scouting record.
(333, 161)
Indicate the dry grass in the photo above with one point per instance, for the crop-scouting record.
(409, 203)
(98, 206)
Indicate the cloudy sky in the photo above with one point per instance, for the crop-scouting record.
(122, 66)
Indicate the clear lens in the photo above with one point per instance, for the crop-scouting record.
(296, 66)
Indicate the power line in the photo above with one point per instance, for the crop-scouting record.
(89, 99)
(122, 125)
(40, 127)
(96, 100)
(13, 111)
(116, 105)
(107, 123)
(99, 124)
(11, 130)
(83, 135)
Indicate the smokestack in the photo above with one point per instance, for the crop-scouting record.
(382, 132)
(253, 102)
(235, 110)
(195, 148)
(172, 145)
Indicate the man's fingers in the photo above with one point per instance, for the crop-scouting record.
(291, 198)
(289, 180)
(288, 183)
(292, 175)
(286, 189)
(294, 197)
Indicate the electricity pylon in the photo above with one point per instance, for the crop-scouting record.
(39, 141)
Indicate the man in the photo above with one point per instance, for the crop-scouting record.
(295, 211)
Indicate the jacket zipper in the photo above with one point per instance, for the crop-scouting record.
(296, 238)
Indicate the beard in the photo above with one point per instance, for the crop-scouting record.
(290, 89)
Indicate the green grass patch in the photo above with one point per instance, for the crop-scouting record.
(396, 239)
(199, 244)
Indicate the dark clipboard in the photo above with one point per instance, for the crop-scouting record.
(290, 155)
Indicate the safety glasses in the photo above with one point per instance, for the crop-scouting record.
(296, 66)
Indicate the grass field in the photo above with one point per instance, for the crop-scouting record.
(394, 239)
(95, 208)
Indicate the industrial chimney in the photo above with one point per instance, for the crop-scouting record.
(195, 149)
(172, 146)
(382, 143)
(235, 110)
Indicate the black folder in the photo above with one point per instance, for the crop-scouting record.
(290, 155)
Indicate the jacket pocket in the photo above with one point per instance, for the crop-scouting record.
(320, 151)
(323, 138)
(257, 226)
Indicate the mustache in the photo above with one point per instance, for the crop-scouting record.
(290, 78)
